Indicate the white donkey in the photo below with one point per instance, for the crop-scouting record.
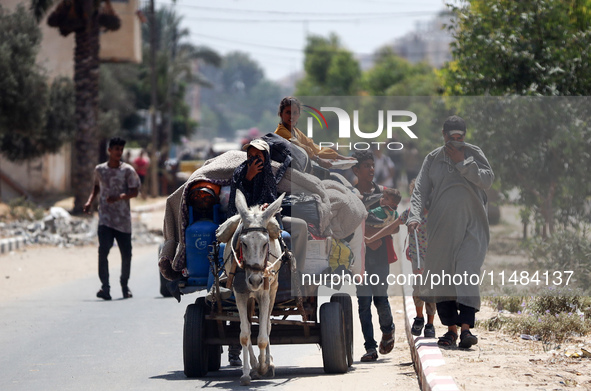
(254, 246)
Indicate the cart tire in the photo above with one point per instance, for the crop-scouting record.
(332, 338)
(345, 301)
(195, 350)
(214, 359)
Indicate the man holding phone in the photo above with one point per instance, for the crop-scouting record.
(451, 186)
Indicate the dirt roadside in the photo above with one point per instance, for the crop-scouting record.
(504, 361)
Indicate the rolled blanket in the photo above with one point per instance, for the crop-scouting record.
(347, 210)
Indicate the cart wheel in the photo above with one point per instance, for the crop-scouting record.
(195, 350)
(345, 301)
(214, 359)
(332, 338)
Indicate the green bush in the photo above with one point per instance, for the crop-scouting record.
(557, 300)
(23, 209)
(493, 324)
(550, 327)
(512, 304)
(564, 251)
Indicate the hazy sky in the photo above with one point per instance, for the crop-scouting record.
(274, 32)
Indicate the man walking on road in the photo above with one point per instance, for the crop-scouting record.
(117, 182)
(451, 186)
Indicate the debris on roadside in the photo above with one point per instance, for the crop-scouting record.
(579, 351)
(59, 228)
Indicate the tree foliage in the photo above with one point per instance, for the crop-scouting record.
(117, 101)
(241, 98)
(330, 69)
(540, 146)
(22, 82)
(176, 70)
(532, 48)
(389, 69)
(35, 118)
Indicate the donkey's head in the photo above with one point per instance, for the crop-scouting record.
(254, 238)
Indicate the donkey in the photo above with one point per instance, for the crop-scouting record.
(254, 247)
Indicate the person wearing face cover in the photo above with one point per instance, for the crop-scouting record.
(255, 179)
(451, 186)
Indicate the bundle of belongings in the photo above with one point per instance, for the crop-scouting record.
(330, 207)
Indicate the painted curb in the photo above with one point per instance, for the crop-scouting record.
(425, 353)
(10, 244)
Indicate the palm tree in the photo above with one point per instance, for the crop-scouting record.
(84, 18)
(174, 65)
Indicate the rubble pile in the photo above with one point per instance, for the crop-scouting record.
(59, 228)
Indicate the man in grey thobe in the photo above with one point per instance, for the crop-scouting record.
(451, 186)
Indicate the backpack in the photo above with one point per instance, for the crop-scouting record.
(283, 151)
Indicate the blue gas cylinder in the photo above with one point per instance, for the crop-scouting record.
(198, 236)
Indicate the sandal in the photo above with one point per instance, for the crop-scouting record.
(467, 339)
(429, 331)
(417, 326)
(387, 343)
(448, 340)
(370, 355)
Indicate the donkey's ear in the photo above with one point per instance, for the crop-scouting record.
(274, 208)
(241, 204)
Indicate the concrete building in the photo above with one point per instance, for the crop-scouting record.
(51, 174)
(429, 42)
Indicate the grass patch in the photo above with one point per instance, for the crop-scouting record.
(553, 316)
(548, 327)
(23, 209)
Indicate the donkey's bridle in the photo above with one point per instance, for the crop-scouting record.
(267, 270)
(239, 257)
(251, 229)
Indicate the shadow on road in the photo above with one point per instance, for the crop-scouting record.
(229, 378)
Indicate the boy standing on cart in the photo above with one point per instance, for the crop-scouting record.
(376, 263)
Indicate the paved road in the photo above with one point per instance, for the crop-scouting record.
(62, 338)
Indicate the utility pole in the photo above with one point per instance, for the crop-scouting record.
(153, 105)
(171, 89)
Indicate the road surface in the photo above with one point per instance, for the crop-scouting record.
(61, 337)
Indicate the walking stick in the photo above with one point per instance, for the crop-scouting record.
(418, 253)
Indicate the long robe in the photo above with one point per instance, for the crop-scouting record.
(457, 226)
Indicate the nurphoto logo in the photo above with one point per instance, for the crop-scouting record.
(393, 119)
